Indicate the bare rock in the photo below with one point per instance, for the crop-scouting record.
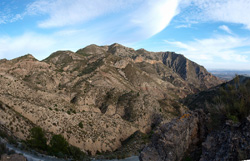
(173, 139)
(230, 143)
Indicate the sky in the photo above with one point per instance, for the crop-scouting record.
(213, 33)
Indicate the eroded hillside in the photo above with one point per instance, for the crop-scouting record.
(113, 91)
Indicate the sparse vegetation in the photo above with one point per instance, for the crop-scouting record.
(91, 67)
(233, 100)
(82, 52)
(58, 145)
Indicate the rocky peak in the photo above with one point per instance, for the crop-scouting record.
(142, 51)
(60, 57)
(3, 60)
(92, 50)
(120, 50)
(27, 57)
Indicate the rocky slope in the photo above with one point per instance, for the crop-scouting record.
(187, 138)
(113, 91)
(231, 143)
(216, 128)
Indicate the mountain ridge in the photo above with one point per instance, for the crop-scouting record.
(113, 91)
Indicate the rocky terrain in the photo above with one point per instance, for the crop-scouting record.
(98, 96)
(173, 140)
(216, 128)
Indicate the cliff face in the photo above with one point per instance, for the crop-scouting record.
(188, 138)
(113, 91)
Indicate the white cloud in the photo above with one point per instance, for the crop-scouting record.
(183, 26)
(9, 17)
(41, 46)
(82, 22)
(232, 11)
(64, 12)
(11, 47)
(153, 16)
(225, 28)
(221, 48)
(130, 18)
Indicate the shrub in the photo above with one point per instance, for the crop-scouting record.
(233, 100)
(37, 139)
(76, 153)
(80, 125)
(58, 144)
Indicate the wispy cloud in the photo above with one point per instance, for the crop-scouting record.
(226, 28)
(131, 20)
(63, 12)
(211, 49)
(8, 17)
(183, 26)
(232, 11)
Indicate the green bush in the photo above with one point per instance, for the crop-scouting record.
(59, 144)
(76, 153)
(37, 139)
(80, 125)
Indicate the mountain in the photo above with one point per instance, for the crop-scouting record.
(99, 96)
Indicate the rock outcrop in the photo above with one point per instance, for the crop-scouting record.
(172, 140)
(218, 128)
(231, 143)
(177, 138)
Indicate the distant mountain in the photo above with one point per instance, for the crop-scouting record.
(229, 74)
(98, 96)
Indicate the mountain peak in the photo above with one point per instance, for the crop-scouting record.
(142, 51)
(26, 57)
(92, 49)
(120, 50)
(60, 56)
(116, 45)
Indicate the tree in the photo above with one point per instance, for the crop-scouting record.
(37, 139)
(58, 144)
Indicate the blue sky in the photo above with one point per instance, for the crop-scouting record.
(213, 33)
